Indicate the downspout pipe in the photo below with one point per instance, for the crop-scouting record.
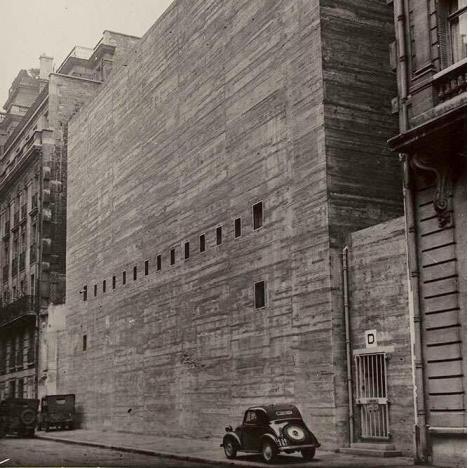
(413, 268)
(414, 297)
(348, 344)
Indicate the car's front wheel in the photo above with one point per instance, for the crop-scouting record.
(269, 451)
(230, 449)
(308, 454)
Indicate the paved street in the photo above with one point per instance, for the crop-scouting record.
(41, 453)
(37, 452)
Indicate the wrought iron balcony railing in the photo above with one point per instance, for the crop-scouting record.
(21, 307)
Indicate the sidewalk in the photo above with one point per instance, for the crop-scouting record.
(209, 451)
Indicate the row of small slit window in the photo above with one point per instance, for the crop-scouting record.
(257, 216)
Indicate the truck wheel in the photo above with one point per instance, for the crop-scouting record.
(269, 451)
(28, 416)
(230, 449)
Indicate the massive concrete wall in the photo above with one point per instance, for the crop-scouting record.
(220, 107)
(378, 282)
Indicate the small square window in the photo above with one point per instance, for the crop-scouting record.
(257, 213)
(104, 286)
(202, 243)
(187, 250)
(219, 235)
(114, 282)
(146, 267)
(95, 290)
(172, 256)
(260, 295)
(85, 293)
(158, 262)
(124, 277)
(237, 227)
(85, 342)
(134, 273)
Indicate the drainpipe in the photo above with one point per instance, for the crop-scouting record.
(348, 345)
(39, 272)
(411, 241)
(402, 64)
(414, 293)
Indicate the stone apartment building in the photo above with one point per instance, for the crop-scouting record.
(33, 188)
(225, 189)
(431, 53)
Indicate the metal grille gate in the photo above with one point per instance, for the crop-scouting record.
(371, 395)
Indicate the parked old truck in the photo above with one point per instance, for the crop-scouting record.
(57, 411)
(18, 416)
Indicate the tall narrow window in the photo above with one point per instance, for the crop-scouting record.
(33, 287)
(124, 277)
(172, 256)
(84, 291)
(257, 213)
(202, 243)
(134, 273)
(457, 29)
(237, 227)
(260, 295)
(104, 286)
(95, 290)
(85, 342)
(219, 235)
(146, 267)
(158, 262)
(187, 250)
(114, 282)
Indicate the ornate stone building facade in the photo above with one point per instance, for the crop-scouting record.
(431, 57)
(33, 190)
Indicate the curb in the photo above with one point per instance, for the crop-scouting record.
(154, 453)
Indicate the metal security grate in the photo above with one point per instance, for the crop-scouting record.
(371, 395)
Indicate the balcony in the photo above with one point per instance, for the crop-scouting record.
(21, 307)
(450, 81)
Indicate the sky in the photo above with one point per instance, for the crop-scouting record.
(32, 27)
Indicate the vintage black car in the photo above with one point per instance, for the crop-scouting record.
(57, 411)
(270, 430)
(18, 416)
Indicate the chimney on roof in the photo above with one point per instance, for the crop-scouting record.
(46, 66)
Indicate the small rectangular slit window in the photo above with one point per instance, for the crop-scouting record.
(95, 290)
(146, 267)
(237, 227)
(85, 293)
(187, 250)
(114, 281)
(85, 342)
(260, 295)
(202, 243)
(104, 286)
(219, 235)
(172, 256)
(257, 213)
(124, 277)
(158, 262)
(134, 273)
